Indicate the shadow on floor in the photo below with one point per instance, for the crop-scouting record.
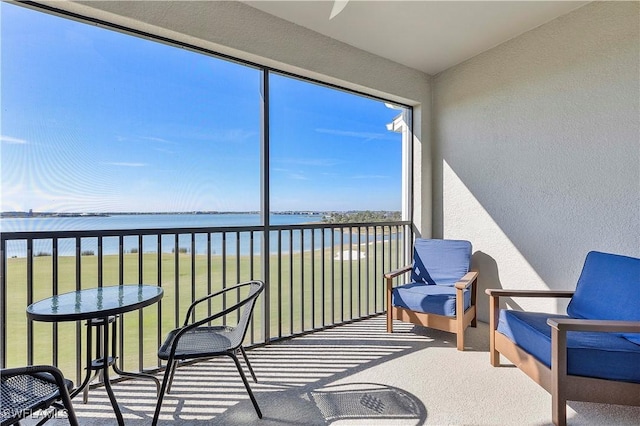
(383, 379)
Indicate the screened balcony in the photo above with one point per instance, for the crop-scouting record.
(527, 147)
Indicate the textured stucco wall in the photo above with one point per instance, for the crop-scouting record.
(537, 151)
(236, 29)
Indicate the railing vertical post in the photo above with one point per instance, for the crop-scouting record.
(279, 283)
(313, 279)
(140, 313)
(238, 277)
(367, 273)
(375, 268)
(176, 279)
(193, 270)
(79, 327)
(251, 277)
(29, 300)
(121, 263)
(159, 335)
(396, 228)
(100, 260)
(208, 252)
(224, 274)
(120, 325)
(302, 301)
(54, 273)
(351, 289)
(359, 273)
(382, 253)
(322, 277)
(341, 274)
(140, 260)
(291, 281)
(333, 276)
(3, 304)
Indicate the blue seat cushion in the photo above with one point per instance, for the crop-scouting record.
(608, 289)
(429, 299)
(440, 262)
(601, 355)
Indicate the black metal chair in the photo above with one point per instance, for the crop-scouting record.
(198, 339)
(29, 389)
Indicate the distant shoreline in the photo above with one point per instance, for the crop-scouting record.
(32, 214)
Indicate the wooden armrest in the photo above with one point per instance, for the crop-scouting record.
(494, 308)
(466, 281)
(605, 326)
(498, 292)
(397, 272)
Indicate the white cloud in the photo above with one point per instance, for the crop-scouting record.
(290, 174)
(154, 139)
(318, 162)
(360, 135)
(144, 139)
(230, 135)
(12, 140)
(297, 176)
(369, 177)
(126, 164)
(164, 151)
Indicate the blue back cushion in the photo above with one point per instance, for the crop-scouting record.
(440, 262)
(608, 289)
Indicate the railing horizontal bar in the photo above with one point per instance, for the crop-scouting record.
(37, 235)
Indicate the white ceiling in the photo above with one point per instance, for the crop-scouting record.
(429, 36)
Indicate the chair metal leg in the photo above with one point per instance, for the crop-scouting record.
(68, 406)
(246, 360)
(65, 399)
(246, 384)
(165, 380)
(173, 373)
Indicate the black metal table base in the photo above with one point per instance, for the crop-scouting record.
(100, 367)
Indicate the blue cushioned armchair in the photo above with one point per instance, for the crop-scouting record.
(442, 290)
(591, 354)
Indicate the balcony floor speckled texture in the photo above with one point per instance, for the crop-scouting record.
(352, 374)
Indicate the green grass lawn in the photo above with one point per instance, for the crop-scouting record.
(301, 288)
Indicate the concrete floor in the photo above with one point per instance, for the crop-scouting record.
(352, 374)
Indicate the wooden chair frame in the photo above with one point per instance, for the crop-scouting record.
(555, 380)
(457, 324)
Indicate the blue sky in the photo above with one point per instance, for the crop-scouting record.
(94, 120)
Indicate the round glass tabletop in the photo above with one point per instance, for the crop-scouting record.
(94, 303)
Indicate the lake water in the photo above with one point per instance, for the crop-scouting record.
(149, 243)
(147, 221)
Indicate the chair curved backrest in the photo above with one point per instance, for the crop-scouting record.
(245, 309)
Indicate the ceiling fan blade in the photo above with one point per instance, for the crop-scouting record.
(338, 5)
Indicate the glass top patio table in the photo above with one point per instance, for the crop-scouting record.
(103, 304)
(94, 303)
